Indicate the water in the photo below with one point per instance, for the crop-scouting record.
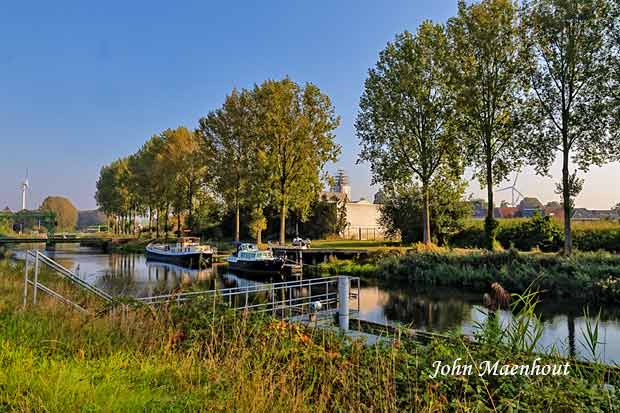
(437, 310)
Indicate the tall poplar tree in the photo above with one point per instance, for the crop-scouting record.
(295, 126)
(488, 59)
(226, 137)
(405, 113)
(570, 103)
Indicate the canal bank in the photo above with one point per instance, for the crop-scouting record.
(433, 308)
(187, 359)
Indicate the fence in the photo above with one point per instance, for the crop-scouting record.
(315, 297)
(41, 259)
(363, 233)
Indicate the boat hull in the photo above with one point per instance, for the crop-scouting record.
(257, 267)
(189, 260)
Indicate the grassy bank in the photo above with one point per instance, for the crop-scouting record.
(594, 276)
(188, 359)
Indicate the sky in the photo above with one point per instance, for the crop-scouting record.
(84, 83)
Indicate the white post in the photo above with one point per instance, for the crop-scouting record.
(343, 302)
(26, 279)
(36, 277)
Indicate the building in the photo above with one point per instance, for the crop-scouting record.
(583, 214)
(362, 217)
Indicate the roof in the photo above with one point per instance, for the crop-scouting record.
(505, 212)
(583, 213)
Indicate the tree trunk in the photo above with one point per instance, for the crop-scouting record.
(179, 223)
(150, 222)
(157, 223)
(259, 237)
(426, 219)
(490, 224)
(568, 240)
(237, 213)
(167, 213)
(283, 223)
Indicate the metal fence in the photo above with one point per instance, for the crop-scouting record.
(314, 296)
(41, 259)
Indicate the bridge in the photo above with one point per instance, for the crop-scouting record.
(103, 243)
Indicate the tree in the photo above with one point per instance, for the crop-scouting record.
(487, 62)
(186, 163)
(405, 112)
(569, 100)
(66, 213)
(226, 138)
(403, 206)
(294, 126)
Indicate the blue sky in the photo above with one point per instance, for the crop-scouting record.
(83, 83)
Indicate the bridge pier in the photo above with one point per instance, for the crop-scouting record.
(50, 246)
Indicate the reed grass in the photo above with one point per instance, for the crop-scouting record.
(188, 358)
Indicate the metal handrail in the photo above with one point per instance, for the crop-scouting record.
(256, 288)
(58, 296)
(69, 275)
(327, 297)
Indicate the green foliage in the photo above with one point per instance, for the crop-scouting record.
(487, 60)
(541, 233)
(325, 219)
(575, 277)
(402, 210)
(6, 223)
(490, 232)
(537, 233)
(228, 140)
(66, 213)
(569, 96)
(191, 358)
(405, 113)
(295, 132)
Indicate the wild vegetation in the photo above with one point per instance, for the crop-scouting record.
(185, 358)
(590, 277)
(525, 82)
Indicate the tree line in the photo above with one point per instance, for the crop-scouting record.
(265, 147)
(499, 86)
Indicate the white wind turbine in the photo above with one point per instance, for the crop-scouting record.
(25, 188)
(516, 194)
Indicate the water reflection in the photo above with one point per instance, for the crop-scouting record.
(442, 310)
(435, 309)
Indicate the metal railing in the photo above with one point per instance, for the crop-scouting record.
(316, 297)
(319, 296)
(39, 259)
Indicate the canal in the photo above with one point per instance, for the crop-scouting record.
(438, 310)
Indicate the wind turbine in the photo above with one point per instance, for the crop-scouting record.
(514, 191)
(25, 188)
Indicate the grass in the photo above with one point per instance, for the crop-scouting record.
(589, 276)
(189, 359)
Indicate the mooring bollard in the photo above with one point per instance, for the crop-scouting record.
(343, 302)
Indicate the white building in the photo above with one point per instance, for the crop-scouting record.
(362, 216)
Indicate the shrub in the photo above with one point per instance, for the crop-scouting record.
(539, 232)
